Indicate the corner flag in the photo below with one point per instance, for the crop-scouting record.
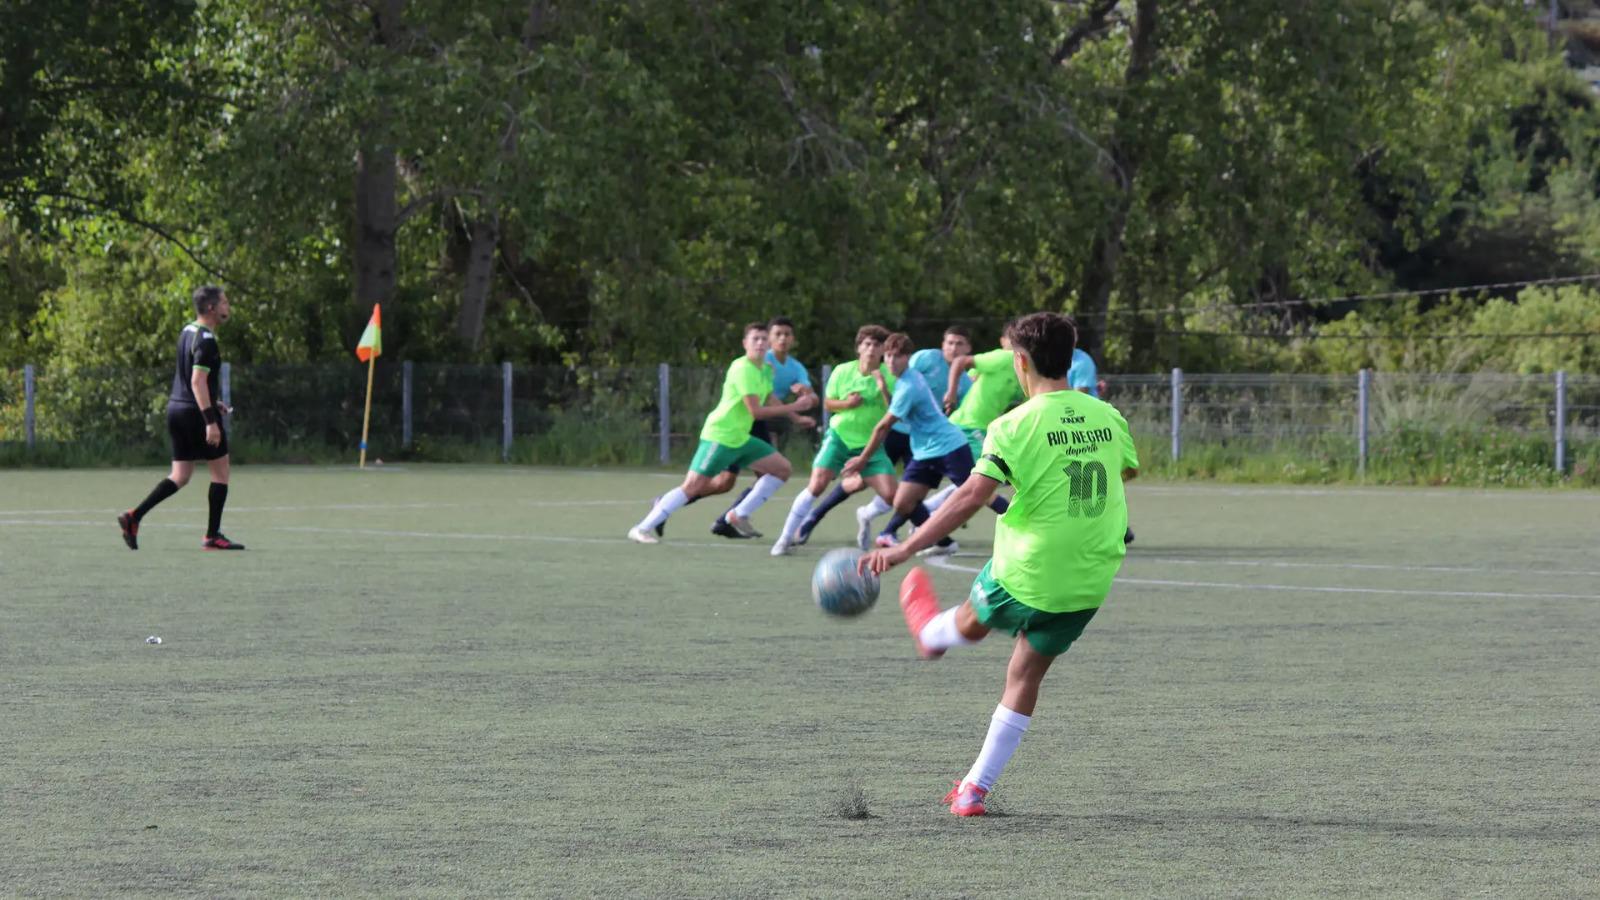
(371, 344)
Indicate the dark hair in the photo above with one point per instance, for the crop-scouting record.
(959, 331)
(752, 326)
(876, 332)
(899, 344)
(1048, 338)
(780, 321)
(206, 297)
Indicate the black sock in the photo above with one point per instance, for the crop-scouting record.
(744, 494)
(999, 504)
(218, 496)
(162, 491)
(916, 517)
(835, 497)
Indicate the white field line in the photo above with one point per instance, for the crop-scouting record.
(643, 504)
(945, 563)
(1361, 567)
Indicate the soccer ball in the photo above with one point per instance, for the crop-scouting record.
(838, 585)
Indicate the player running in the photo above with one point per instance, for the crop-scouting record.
(194, 421)
(938, 448)
(1055, 552)
(857, 394)
(725, 441)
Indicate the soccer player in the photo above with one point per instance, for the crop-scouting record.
(725, 441)
(1055, 552)
(935, 368)
(194, 421)
(857, 394)
(938, 449)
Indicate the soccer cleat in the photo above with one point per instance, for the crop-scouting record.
(742, 526)
(640, 536)
(886, 540)
(130, 529)
(966, 799)
(219, 541)
(919, 604)
(783, 547)
(946, 549)
(1127, 537)
(721, 528)
(864, 528)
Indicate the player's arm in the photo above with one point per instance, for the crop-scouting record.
(840, 404)
(972, 496)
(202, 399)
(775, 410)
(880, 432)
(952, 393)
(883, 387)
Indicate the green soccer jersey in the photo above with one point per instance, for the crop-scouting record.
(1060, 544)
(729, 424)
(854, 426)
(994, 387)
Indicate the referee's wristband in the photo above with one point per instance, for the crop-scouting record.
(212, 417)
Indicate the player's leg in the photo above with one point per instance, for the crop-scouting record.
(908, 502)
(847, 486)
(800, 510)
(898, 448)
(761, 429)
(220, 470)
(934, 630)
(773, 468)
(710, 460)
(186, 432)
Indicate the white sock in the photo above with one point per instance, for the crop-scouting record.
(874, 509)
(937, 500)
(1005, 733)
(798, 513)
(765, 487)
(670, 502)
(941, 632)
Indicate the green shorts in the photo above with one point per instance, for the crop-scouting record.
(1050, 633)
(712, 458)
(834, 454)
(975, 441)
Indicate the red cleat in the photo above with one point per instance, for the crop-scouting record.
(130, 529)
(966, 799)
(219, 542)
(919, 604)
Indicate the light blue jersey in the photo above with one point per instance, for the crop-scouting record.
(1083, 375)
(935, 370)
(787, 374)
(932, 435)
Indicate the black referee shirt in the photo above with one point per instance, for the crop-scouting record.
(197, 349)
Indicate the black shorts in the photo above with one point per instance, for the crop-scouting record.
(187, 429)
(955, 465)
(898, 446)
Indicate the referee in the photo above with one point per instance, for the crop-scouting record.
(194, 421)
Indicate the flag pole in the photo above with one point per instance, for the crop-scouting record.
(366, 417)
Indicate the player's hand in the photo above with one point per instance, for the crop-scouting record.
(853, 400)
(951, 398)
(883, 559)
(852, 465)
(213, 434)
(805, 402)
(805, 422)
(877, 375)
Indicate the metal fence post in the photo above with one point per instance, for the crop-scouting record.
(1177, 413)
(827, 372)
(27, 403)
(664, 411)
(1561, 422)
(505, 412)
(405, 405)
(1363, 395)
(227, 394)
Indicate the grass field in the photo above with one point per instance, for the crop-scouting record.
(465, 681)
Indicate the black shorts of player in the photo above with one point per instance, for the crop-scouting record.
(187, 429)
(758, 430)
(898, 447)
(955, 465)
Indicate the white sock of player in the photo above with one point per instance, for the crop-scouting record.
(670, 502)
(798, 513)
(876, 508)
(941, 632)
(937, 500)
(765, 487)
(1005, 733)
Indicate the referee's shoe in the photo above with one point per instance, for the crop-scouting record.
(219, 541)
(130, 529)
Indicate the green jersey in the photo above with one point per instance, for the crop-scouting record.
(994, 387)
(854, 426)
(729, 424)
(1060, 544)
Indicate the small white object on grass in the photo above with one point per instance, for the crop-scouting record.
(152, 639)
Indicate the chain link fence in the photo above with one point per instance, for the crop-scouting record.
(653, 414)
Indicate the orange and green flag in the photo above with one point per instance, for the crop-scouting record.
(372, 339)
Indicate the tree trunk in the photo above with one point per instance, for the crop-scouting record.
(480, 276)
(1122, 168)
(377, 214)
